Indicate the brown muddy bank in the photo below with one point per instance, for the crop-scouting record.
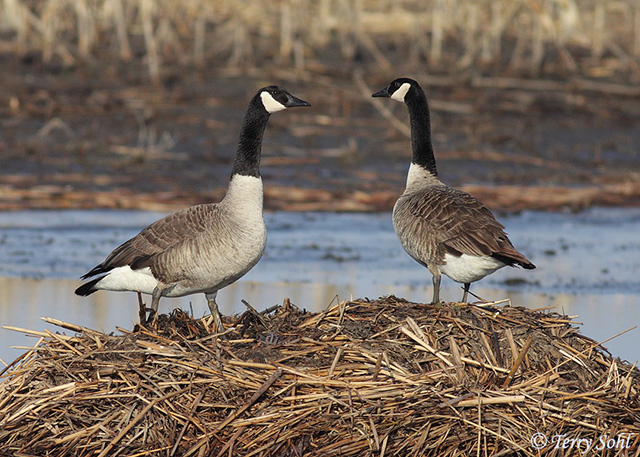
(100, 135)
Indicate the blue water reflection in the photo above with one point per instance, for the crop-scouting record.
(588, 265)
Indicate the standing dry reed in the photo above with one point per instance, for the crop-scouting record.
(597, 39)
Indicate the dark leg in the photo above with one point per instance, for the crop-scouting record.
(213, 307)
(155, 302)
(466, 292)
(142, 310)
(436, 289)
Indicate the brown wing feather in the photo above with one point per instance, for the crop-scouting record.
(464, 225)
(166, 233)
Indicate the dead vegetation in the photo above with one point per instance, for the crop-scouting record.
(384, 377)
(288, 198)
(496, 72)
(592, 38)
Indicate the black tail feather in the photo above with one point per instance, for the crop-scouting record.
(88, 288)
(521, 261)
(527, 266)
(94, 271)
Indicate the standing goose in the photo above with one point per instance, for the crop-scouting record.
(206, 247)
(446, 230)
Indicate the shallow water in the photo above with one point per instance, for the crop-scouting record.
(588, 266)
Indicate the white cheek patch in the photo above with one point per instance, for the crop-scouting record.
(270, 103)
(401, 92)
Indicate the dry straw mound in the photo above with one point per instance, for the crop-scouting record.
(384, 377)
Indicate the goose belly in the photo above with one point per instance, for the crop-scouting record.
(210, 272)
(215, 280)
(124, 278)
(469, 268)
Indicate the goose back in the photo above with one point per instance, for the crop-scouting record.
(438, 220)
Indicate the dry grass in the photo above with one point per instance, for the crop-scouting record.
(379, 378)
(592, 38)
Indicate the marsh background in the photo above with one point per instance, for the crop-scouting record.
(136, 105)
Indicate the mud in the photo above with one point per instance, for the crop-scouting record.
(102, 136)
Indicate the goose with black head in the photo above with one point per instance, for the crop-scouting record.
(444, 229)
(206, 247)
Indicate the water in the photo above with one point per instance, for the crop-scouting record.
(588, 266)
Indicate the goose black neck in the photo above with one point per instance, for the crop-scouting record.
(421, 131)
(247, 161)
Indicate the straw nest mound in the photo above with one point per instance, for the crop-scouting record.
(384, 377)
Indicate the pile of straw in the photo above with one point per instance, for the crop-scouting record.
(384, 377)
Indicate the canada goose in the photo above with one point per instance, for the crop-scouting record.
(446, 230)
(206, 247)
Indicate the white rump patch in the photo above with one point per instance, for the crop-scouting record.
(270, 103)
(124, 278)
(401, 92)
(469, 268)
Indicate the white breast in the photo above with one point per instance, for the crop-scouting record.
(244, 198)
(419, 178)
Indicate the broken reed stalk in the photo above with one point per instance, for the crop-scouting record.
(384, 377)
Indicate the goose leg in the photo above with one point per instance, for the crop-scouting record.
(213, 307)
(155, 302)
(466, 292)
(436, 289)
(142, 310)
